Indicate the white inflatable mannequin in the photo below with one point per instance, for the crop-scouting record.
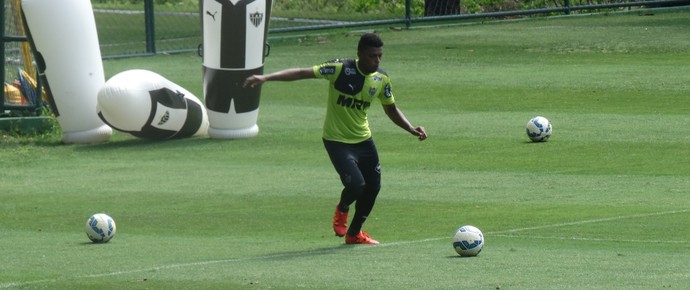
(65, 43)
(234, 34)
(147, 105)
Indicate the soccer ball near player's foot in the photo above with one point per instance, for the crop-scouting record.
(468, 241)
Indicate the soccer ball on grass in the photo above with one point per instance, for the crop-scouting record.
(100, 228)
(539, 129)
(468, 241)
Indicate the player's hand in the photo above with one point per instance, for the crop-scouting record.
(420, 133)
(253, 81)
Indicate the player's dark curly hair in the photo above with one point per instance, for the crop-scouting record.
(369, 40)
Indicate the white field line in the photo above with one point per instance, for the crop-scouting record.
(575, 223)
(592, 239)
(507, 233)
(504, 233)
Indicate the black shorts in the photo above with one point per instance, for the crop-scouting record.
(357, 164)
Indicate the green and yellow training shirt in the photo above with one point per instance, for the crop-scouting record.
(350, 95)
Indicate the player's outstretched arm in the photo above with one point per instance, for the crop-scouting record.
(399, 119)
(291, 74)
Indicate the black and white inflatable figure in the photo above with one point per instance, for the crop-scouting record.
(64, 41)
(144, 104)
(234, 36)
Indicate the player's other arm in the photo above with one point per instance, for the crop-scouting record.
(291, 74)
(399, 119)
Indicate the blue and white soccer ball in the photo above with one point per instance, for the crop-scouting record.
(100, 228)
(468, 241)
(539, 129)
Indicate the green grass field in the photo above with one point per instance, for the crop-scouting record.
(602, 205)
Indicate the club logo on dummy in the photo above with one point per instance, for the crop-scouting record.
(165, 118)
(146, 105)
(256, 18)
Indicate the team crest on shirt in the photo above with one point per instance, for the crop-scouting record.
(372, 91)
(256, 18)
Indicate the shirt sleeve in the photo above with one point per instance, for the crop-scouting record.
(327, 70)
(386, 97)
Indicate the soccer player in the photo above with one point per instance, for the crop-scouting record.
(354, 84)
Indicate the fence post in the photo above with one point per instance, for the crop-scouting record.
(408, 13)
(567, 7)
(149, 23)
(2, 53)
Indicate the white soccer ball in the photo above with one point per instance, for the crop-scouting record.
(539, 129)
(100, 228)
(468, 241)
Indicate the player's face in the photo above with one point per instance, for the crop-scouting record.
(369, 59)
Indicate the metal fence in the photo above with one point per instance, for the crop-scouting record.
(138, 27)
(147, 27)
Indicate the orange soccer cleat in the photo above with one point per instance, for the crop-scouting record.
(360, 238)
(339, 222)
